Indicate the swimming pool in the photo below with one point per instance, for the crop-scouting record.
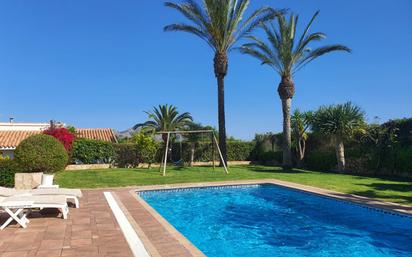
(269, 220)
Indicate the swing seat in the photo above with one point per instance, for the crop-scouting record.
(178, 163)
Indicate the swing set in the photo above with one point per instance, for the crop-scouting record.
(163, 164)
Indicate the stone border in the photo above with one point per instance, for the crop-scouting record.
(139, 231)
(192, 249)
(366, 202)
(129, 232)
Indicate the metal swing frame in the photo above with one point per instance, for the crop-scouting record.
(163, 164)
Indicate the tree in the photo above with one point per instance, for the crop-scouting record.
(286, 54)
(194, 138)
(165, 118)
(220, 23)
(300, 122)
(340, 122)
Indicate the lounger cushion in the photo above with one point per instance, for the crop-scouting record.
(57, 191)
(5, 191)
(36, 200)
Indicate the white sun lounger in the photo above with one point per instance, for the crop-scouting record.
(70, 194)
(15, 207)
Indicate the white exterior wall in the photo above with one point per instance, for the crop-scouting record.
(11, 126)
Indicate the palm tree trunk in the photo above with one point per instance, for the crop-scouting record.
(286, 92)
(220, 67)
(192, 154)
(287, 137)
(340, 155)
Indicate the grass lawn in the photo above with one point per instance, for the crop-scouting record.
(393, 190)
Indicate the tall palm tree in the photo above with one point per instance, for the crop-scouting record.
(220, 23)
(340, 122)
(286, 54)
(165, 118)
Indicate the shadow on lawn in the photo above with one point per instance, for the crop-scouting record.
(274, 170)
(377, 190)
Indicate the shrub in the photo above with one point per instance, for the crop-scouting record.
(41, 153)
(88, 151)
(7, 170)
(146, 148)
(63, 135)
(236, 151)
(320, 161)
(403, 162)
(271, 158)
(126, 155)
(239, 150)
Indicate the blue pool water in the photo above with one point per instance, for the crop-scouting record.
(268, 220)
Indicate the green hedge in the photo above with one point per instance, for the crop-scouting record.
(88, 151)
(239, 151)
(271, 158)
(7, 170)
(403, 161)
(236, 151)
(131, 154)
(321, 161)
(127, 155)
(41, 153)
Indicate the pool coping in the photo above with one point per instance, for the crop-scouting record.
(388, 207)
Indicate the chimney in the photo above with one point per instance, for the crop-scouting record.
(52, 124)
(11, 119)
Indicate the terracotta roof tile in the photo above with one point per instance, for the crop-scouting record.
(11, 139)
(107, 135)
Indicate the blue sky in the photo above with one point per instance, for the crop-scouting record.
(101, 63)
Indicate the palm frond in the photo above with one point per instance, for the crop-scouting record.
(283, 51)
(165, 118)
(312, 55)
(219, 22)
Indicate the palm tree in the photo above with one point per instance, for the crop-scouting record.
(300, 122)
(286, 54)
(165, 118)
(194, 138)
(220, 23)
(339, 122)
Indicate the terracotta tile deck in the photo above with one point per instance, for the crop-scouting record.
(92, 230)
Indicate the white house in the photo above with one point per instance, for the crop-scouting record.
(12, 133)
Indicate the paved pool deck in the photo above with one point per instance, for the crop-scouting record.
(92, 230)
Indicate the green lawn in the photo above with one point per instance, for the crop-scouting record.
(393, 190)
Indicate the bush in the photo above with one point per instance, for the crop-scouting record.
(41, 153)
(236, 151)
(239, 151)
(88, 151)
(7, 170)
(321, 161)
(403, 162)
(127, 155)
(63, 135)
(270, 158)
(146, 147)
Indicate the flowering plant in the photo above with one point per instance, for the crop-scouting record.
(63, 135)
